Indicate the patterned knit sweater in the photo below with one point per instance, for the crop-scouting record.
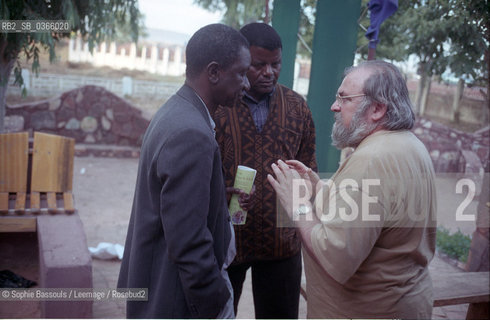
(289, 133)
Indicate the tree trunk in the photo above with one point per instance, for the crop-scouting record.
(267, 18)
(420, 86)
(418, 93)
(458, 94)
(486, 108)
(425, 94)
(6, 65)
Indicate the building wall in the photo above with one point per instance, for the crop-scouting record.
(154, 58)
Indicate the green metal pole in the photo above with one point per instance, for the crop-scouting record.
(285, 19)
(334, 45)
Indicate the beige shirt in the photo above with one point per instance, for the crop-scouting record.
(377, 235)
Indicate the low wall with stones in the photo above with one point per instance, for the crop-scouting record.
(455, 151)
(105, 125)
(90, 114)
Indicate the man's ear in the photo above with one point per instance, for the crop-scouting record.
(213, 71)
(378, 111)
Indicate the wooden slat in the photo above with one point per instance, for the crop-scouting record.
(14, 151)
(20, 202)
(18, 224)
(4, 202)
(52, 205)
(68, 202)
(35, 202)
(52, 163)
(460, 288)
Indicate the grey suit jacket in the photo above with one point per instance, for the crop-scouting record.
(179, 229)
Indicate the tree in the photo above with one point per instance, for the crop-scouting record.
(94, 20)
(442, 34)
(306, 27)
(392, 38)
(237, 13)
(470, 59)
(417, 27)
(124, 30)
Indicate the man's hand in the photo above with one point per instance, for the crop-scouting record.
(305, 172)
(283, 185)
(245, 200)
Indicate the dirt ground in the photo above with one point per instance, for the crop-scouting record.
(104, 187)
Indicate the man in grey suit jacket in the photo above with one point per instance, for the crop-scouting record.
(179, 231)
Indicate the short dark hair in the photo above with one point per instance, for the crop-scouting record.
(262, 35)
(214, 42)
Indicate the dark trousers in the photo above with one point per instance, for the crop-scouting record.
(275, 285)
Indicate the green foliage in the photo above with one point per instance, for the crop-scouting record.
(456, 246)
(124, 30)
(94, 20)
(469, 42)
(441, 33)
(306, 27)
(237, 12)
(393, 42)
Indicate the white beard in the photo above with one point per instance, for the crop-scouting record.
(343, 137)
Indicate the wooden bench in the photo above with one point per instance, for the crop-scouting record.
(36, 196)
(34, 181)
(462, 288)
(458, 288)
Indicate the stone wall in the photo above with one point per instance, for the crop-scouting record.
(439, 104)
(90, 114)
(455, 151)
(96, 118)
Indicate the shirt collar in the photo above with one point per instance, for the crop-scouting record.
(267, 96)
(211, 121)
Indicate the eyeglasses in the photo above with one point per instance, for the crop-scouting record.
(340, 99)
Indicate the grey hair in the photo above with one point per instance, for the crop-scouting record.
(387, 86)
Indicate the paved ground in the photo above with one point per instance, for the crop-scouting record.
(104, 187)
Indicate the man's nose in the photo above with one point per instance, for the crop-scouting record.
(268, 69)
(335, 106)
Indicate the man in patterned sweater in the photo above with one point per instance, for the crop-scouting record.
(271, 122)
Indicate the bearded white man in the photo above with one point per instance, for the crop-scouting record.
(374, 263)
